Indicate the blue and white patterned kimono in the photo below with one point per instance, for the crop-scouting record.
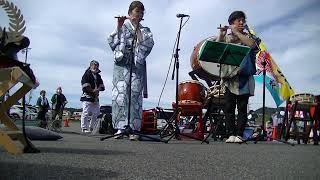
(120, 42)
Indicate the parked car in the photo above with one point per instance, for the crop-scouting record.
(49, 115)
(32, 108)
(66, 113)
(77, 115)
(16, 112)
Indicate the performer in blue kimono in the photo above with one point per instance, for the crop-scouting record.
(129, 33)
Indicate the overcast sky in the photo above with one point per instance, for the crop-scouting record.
(66, 35)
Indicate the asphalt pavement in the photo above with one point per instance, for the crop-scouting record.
(79, 156)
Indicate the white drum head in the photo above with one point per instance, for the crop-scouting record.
(209, 67)
(191, 81)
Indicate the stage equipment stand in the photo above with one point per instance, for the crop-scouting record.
(128, 130)
(218, 117)
(11, 73)
(262, 136)
(174, 118)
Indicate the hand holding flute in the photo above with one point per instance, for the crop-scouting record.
(121, 20)
(222, 32)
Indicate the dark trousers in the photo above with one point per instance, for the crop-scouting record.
(42, 115)
(42, 118)
(241, 101)
(55, 113)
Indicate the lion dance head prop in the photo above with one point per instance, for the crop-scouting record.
(11, 37)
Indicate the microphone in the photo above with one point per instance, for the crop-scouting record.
(182, 15)
(256, 39)
(246, 27)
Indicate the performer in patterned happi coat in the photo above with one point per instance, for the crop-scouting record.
(129, 33)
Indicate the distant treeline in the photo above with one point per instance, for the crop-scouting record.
(72, 110)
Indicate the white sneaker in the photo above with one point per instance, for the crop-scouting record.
(254, 135)
(118, 134)
(238, 139)
(230, 139)
(85, 131)
(133, 137)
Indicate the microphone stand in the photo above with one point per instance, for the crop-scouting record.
(28, 148)
(127, 129)
(176, 133)
(262, 136)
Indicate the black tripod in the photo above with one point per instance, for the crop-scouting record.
(262, 135)
(127, 129)
(219, 116)
(217, 125)
(176, 133)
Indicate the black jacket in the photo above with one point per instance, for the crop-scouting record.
(58, 101)
(89, 80)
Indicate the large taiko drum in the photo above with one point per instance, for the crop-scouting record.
(303, 98)
(191, 91)
(212, 69)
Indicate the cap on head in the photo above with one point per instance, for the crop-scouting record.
(94, 62)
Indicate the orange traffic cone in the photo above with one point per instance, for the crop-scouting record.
(66, 122)
(274, 132)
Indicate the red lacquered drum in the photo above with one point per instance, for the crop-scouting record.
(305, 98)
(191, 91)
(313, 109)
(149, 121)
